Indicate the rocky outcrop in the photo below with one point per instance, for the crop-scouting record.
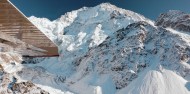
(9, 85)
(133, 49)
(174, 19)
(27, 88)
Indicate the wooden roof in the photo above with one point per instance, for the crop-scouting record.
(15, 24)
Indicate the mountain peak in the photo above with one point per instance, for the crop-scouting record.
(106, 5)
(175, 12)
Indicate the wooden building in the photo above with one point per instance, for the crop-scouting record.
(17, 33)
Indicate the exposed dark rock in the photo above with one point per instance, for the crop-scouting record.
(174, 19)
(27, 87)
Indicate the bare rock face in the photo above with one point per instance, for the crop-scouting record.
(8, 85)
(134, 49)
(27, 87)
(174, 19)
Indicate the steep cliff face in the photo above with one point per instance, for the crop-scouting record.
(139, 51)
(175, 19)
(86, 27)
(108, 50)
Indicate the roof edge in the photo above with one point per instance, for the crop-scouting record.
(30, 21)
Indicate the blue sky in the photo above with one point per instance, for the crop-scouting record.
(53, 9)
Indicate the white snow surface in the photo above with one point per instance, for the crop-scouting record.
(109, 50)
(156, 82)
(86, 27)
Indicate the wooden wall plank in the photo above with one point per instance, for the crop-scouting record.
(15, 25)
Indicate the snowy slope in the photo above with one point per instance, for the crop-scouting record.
(156, 82)
(108, 50)
(140, 50)
(87, 27)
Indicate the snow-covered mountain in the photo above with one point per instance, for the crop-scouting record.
(105, 50)
(81, 29)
